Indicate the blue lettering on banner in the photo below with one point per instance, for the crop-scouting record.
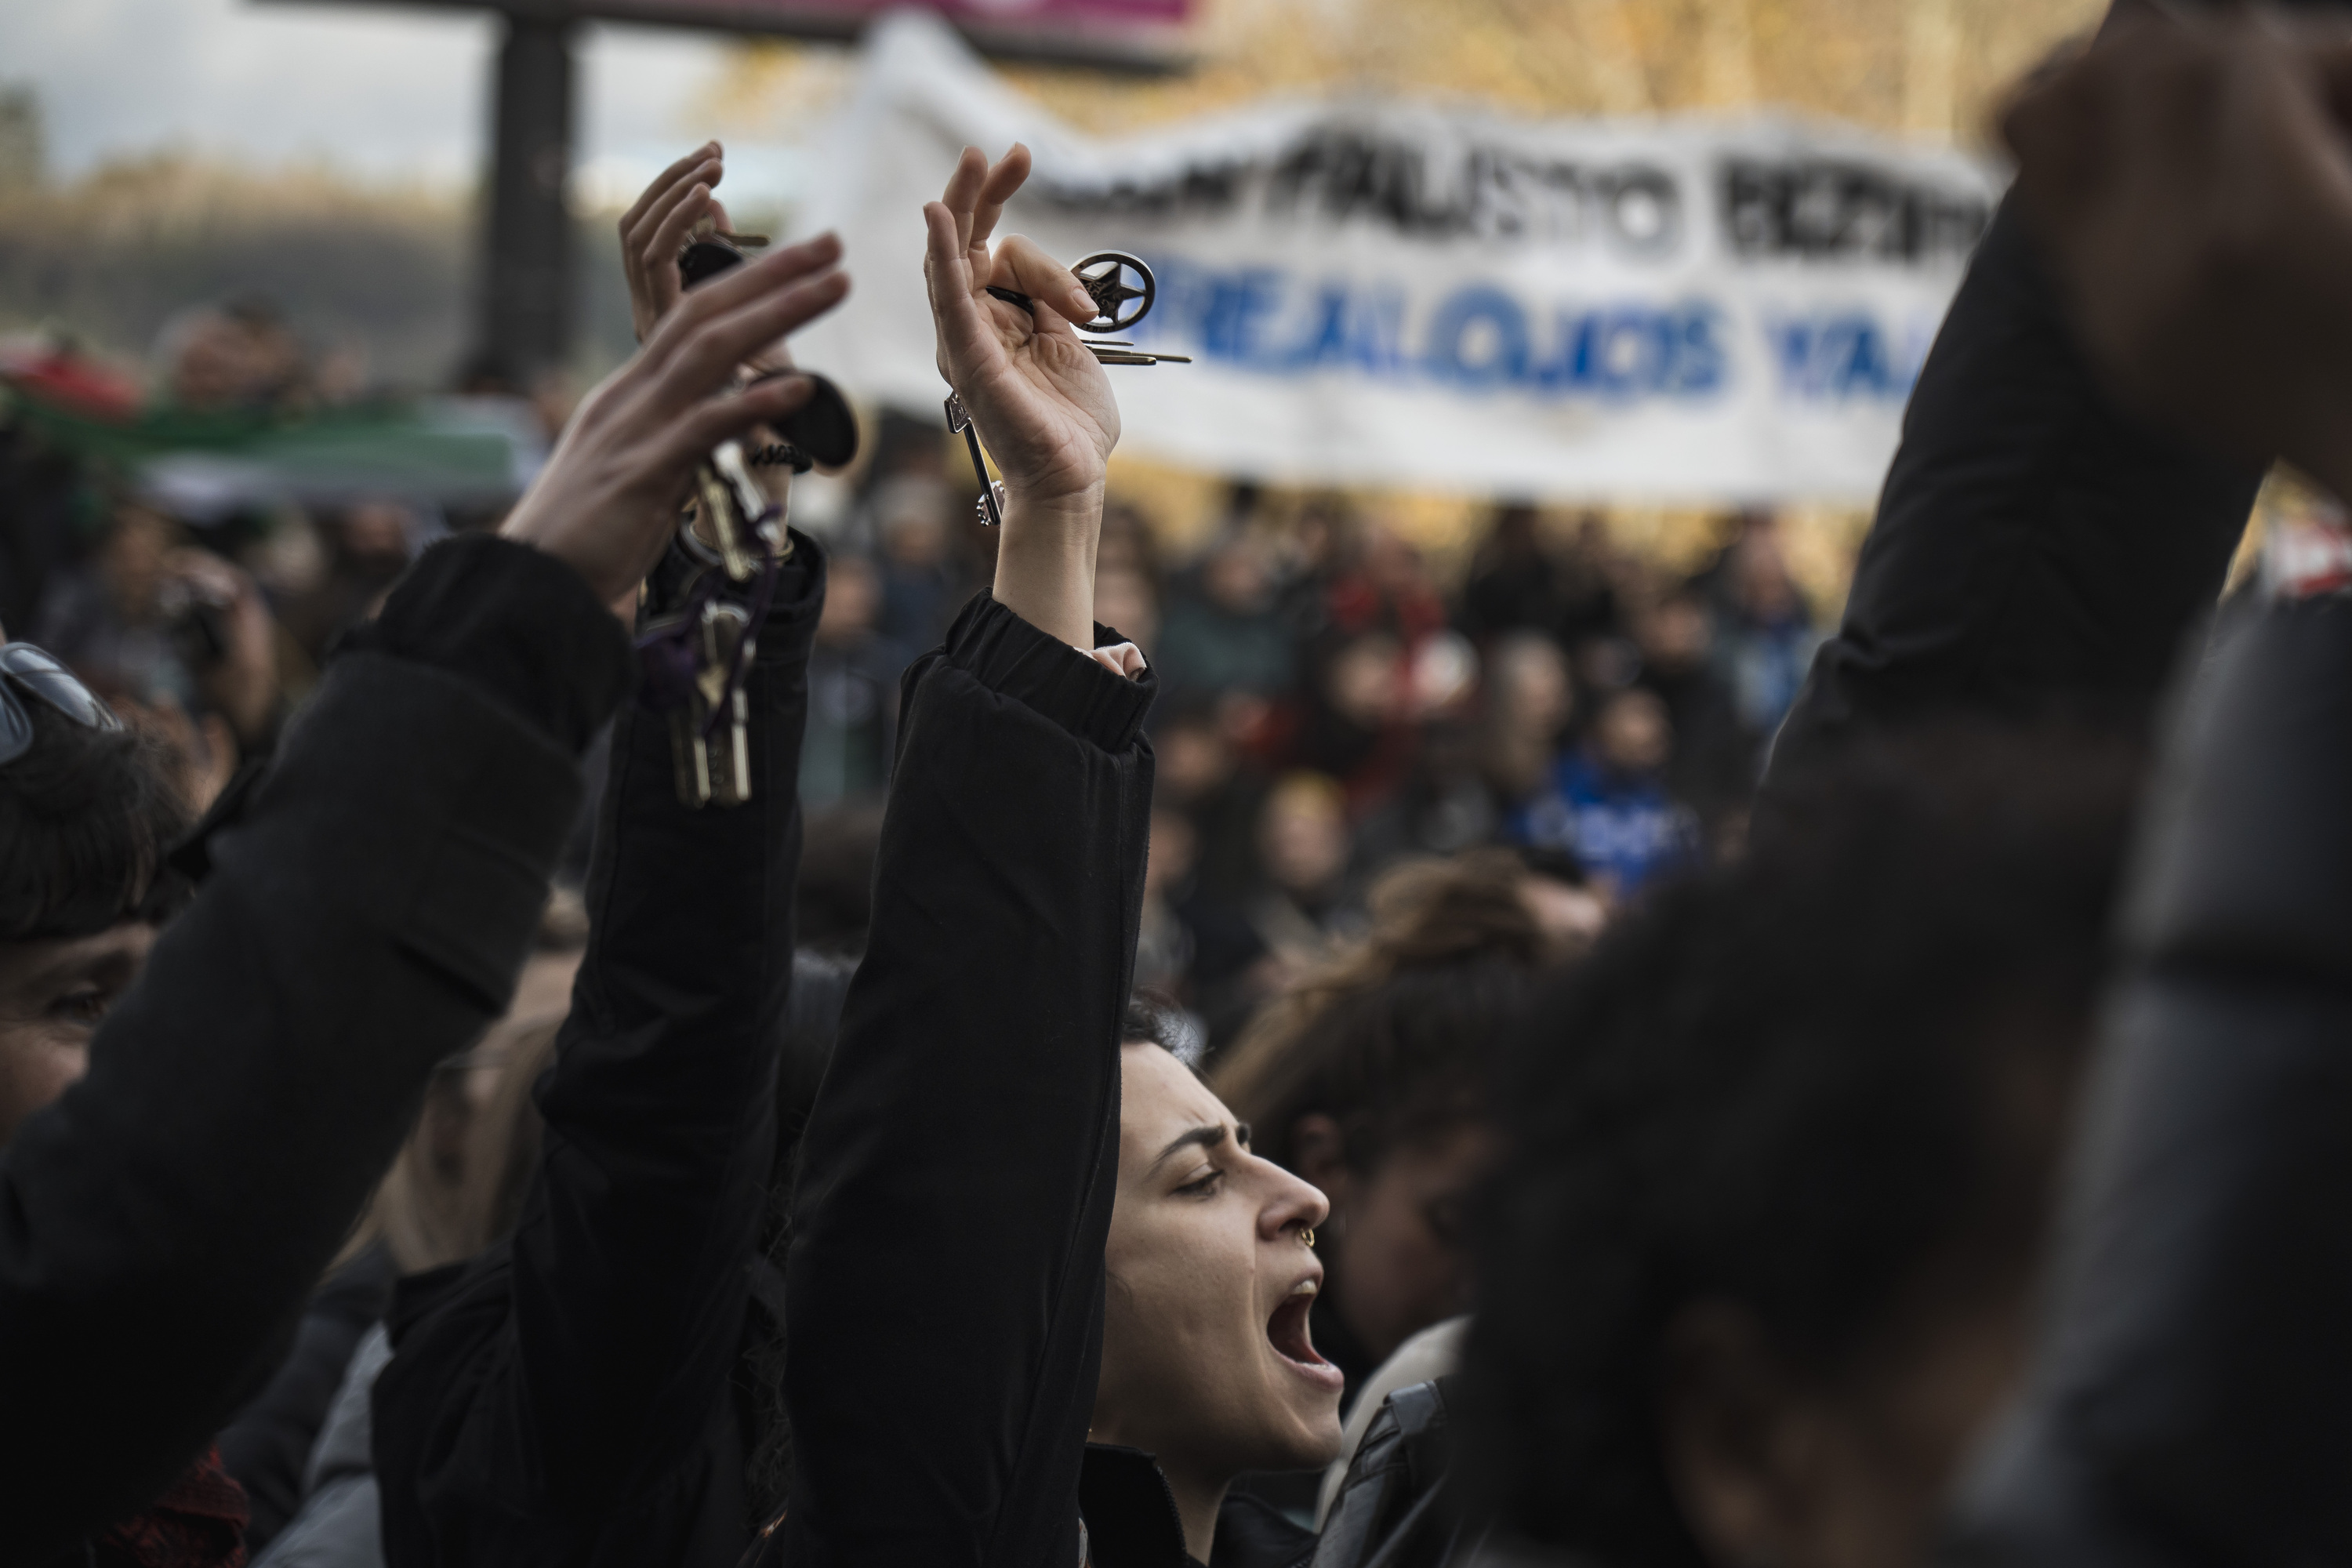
(1842, 356)
(1483, 340)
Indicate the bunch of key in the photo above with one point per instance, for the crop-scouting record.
(697, 657)
(696, 660)
(1118, 305)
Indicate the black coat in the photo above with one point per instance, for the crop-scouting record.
(568, 1397)
(365, 915)
(946, 1276)
(2190, 1400)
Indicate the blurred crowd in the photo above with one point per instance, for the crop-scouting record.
(1515, 1059)
(1333, 703)
(1332, 706)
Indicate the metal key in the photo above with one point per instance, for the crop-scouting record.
(731, 503)
(726, 747)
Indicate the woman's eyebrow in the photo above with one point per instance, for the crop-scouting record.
(1206, 1137)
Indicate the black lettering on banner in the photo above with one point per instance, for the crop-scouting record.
(1825, 209)
(1341, 175)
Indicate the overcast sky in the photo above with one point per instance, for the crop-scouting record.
(380, 92)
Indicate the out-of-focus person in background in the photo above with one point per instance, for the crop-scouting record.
(853, 697)
(1766, 637)
(1349, 717)
(1608, 802)
(1220, 629)
(366, 545)
(1529, 704)
(236, 358)
(1306, 900)
(1716, 758)
(922, 585)
(303, 1448)
(178, 638)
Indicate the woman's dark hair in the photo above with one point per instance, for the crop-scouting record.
(1394, 1039)
(1154, 1019)
(1794, 1085)
(86, 818)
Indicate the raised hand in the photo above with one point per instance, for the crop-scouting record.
(608, 497)
(654, 230)
(2189, 178)
(1043, 405)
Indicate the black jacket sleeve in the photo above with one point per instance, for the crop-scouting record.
(2191, 1400)
(559, 1406)
(2035, 550)
(945, 1276)
(161, 1224)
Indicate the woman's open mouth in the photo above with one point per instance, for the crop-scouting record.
(1287, 1332)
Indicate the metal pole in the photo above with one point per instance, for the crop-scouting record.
(525, 326)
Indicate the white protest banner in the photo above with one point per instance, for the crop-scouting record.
(1691, 309)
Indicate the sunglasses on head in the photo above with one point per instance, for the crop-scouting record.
(27, 671)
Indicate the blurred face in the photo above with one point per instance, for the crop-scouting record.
(1762, 581)
(853, 598)
(1124, 600)
(53, 996)
(1675, 635)
(1236, 577)
(1193, 758)
(915, 539)
(133, 560)
(1401, 1264)
(1364, 685)
(1634, 737)
(1207, 1361)
(1531, 688)
(1302, 839)
(1173, 842)
(376, 531)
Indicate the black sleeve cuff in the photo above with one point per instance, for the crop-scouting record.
(1007, 655)
(515, 622)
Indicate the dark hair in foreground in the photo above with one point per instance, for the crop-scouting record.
(1796, 1086)
(86, 818)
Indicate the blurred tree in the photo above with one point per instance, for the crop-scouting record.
(1933, 68)
(24, 153)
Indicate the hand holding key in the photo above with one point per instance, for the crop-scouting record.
(607, 499)
(1043, 405)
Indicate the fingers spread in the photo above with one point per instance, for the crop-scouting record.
(1021, 263)
(1010, 172)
